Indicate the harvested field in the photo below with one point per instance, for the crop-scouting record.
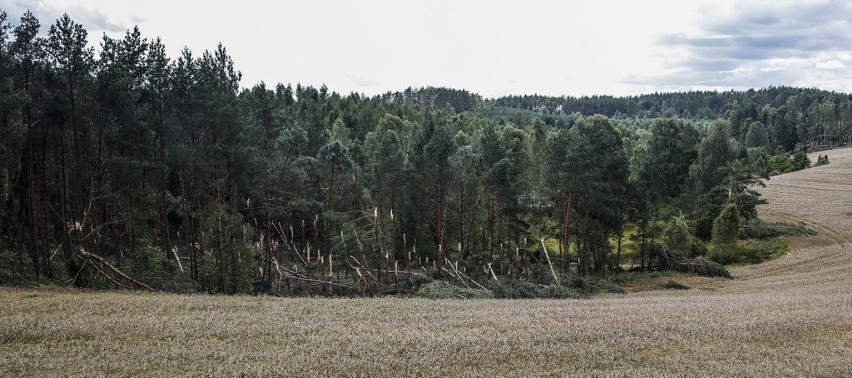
(788, 317)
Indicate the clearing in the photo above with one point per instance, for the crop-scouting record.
(791, 316)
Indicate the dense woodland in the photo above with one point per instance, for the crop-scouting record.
(123, 167)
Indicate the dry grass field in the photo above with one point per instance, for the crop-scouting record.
(788, 317)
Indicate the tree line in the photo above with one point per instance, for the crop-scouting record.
(122, 166)
(789, 117)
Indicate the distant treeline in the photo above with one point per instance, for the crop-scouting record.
(791, 115)
(122, 166)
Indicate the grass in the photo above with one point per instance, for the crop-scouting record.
(789, 316)
(71, 333)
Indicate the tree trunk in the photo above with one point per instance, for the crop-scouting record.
(31, 207)
(220, 247)
(566, 229)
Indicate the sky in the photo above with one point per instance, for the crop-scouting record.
(495, 48)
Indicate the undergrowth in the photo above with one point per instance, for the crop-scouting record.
(752, 251)
(759, 229)
(570, 287)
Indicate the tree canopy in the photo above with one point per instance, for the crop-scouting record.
(118, 161)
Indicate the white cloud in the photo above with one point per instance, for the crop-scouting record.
(830, 65)
(497, 48)
(91, 18)
(757, 44)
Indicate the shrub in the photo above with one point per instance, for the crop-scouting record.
(750, 252)
(559, 292)
(511, 288)
(633, 276)
(726, 227)
(702, 267)
(572, 287)
(780, 162)
(446, 290)
(677, 235)
(10, 271)
(724, 254)
(758, 229)
(237, 269)
(672, 285)
(149, 258)
(800, 161)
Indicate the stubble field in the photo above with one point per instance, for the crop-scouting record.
(787, 317)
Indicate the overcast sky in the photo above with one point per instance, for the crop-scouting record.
(495, 48)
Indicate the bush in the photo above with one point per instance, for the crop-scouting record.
(559, 292)
(751, 252)
(237, 269)
(10, 272)
(511, 288)
(702, 267)
(149, 258)
(633, 276)
(724, 254)
(572, 287)
(758, 229)
(801, 161)
(726, 227)
(605, 287)
(677, 235)
(446, 290)
(780, 163)
(672, 285)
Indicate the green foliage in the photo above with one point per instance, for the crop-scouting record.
(12, 273)
(148, 259)
(627, 278)
(554, 291)
(758, 159)
(588, 172)
(446, 290)
(781, 162)
(573, 287)
(724, 253)
(150, 157)
(702, 267)
(229, 264)
(595, 285)
(758, 229)
(750, 252)
(726, 227)
(800, 161)
(672, 285)
(677, 235)
(670, 151)
(757, 135)
(514, 289)
(715, 153)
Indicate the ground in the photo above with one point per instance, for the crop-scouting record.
(791, 316)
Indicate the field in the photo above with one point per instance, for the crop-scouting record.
(791, 316)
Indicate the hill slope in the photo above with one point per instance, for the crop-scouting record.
(820, 197)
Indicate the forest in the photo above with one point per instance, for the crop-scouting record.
(122, 167)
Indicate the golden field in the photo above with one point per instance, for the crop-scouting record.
(791, 316)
